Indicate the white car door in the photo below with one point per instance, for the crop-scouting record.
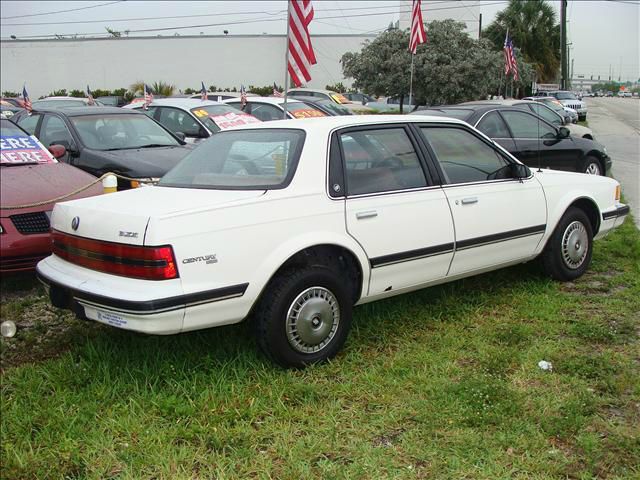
(498, 219)
(401, 220)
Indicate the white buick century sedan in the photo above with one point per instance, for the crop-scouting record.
(292, 223)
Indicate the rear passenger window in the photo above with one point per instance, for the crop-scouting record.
(464, 157)
(380, 161)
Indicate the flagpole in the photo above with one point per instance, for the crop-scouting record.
(411, 80)
(286, 62)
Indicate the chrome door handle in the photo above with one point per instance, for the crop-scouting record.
(368, 214)
(469, 200)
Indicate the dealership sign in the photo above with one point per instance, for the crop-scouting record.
(23, 149)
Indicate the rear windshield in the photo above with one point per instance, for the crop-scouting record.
(459, 113)
(565, 96)
(260, 159)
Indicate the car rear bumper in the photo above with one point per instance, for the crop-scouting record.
(153, 307)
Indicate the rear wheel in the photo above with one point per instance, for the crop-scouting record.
(304, 316)
(568, 252)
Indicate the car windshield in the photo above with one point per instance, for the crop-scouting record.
(565, 96)
(9, 129)
(121, 131)
(213, 115)
(260, 159)
(333, 107)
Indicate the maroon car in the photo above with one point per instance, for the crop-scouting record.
(29, 174)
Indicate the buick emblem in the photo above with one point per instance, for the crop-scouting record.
(75, 223)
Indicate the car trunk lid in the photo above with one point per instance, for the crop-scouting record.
(123, 217)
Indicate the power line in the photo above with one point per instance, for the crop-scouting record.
(240, 22)
(172, 17)
(64, 11)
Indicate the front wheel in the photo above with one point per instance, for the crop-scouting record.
(593, 166)
(304, 317)
(568, 252)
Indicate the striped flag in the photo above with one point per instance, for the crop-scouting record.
(276, 92)
(300, 56)
(90, 99)
(203, 93)
(243, 96)
(510, 64)
(26, 100)
(148, 97)
(418, 34)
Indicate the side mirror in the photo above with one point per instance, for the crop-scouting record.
(65, 144)
(563, 132)
(180, 135)
(58, 151)
(518, 170)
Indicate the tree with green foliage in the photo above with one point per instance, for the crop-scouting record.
(77, 93)
(336, 87)
(58, 93)
(535, 31)
(451, 67)
(10, 94)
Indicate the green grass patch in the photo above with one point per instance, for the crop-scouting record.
(440, 383)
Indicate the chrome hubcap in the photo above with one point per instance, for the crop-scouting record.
(593, 169)
(312, 320)
(575, 244)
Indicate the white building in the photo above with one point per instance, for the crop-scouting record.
(467, 12)
(184, 61)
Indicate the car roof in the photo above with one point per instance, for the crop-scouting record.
(318, 90)
(507, 102)
(327, 124)
(270, 100)
(82, 111)
(184, 103)
(62, 97)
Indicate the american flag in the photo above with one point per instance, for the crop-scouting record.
(300, 56)
(418, 34)
(203, 93)
(26, 100)
(510, 64)
(276, 92)
(90, 99)
(243, 96)
(148, 97)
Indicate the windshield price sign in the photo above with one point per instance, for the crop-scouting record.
(23, 149)
(232, 119)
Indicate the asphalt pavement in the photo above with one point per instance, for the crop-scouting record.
(616, 124)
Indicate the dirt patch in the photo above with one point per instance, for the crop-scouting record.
(42, 331)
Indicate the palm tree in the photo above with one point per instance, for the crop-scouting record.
(535, 31)
(158, 88)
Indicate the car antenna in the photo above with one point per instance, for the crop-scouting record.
(539, 159)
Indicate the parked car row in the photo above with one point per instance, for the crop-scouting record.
(142, 145)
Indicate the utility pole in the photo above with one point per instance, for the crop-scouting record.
(480, 28)
(563, 44)
(609, 72)
(571, 76)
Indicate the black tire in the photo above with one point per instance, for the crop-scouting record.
(298, 308)
(592, 166)
(565, 257)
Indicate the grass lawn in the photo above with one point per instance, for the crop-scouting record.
(442, 383)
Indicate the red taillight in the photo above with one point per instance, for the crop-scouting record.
(149, 263)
